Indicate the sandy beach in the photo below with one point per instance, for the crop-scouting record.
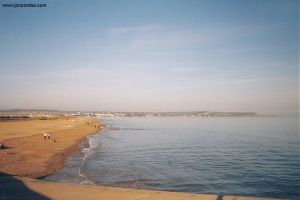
(30, 156)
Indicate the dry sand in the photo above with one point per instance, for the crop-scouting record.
(29, 155)
(46, 190)
(41, 190)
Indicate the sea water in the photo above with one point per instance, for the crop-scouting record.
(249, 156)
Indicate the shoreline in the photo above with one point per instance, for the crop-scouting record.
(77, 151)
(60, 158)
(30, 182)
(29, 155)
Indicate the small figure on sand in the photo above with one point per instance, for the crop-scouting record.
(45, 136)
(2, 146)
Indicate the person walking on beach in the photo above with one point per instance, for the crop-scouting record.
(45, 136)
(48, 136)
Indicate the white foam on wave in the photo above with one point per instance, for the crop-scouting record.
(82, 175)
(87, 152)
(92, 143)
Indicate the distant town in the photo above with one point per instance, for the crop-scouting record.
(48, 114)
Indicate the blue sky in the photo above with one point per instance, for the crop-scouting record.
(151, 56)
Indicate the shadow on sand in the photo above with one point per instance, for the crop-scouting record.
(11, 189)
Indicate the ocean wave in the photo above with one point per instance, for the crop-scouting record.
(86, 153)
(84, 176)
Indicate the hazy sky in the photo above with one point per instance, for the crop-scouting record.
(151, 55)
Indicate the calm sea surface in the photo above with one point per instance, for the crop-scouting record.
(255, 156)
